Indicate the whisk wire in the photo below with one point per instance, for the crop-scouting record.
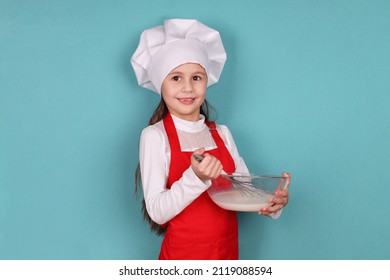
(244, 185)
(246, 188)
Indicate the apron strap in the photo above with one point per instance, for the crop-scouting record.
(223, 151)
(173, 138)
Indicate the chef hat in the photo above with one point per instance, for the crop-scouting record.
(178, 41)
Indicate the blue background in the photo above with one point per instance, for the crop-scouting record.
(306, 89)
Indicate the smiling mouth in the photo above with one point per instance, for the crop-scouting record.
(186, 100)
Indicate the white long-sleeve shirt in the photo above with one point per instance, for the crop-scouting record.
(163, 204)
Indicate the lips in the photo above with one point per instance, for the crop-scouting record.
(186, 100)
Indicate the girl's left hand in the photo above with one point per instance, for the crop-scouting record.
(280, 200)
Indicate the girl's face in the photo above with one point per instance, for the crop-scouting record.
(184, 90)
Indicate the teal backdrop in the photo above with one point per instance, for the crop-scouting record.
(306, 89)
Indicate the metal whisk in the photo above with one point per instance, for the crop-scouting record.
(244, 185)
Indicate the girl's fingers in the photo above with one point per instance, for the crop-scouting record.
(270, 209)
(288, 179)
(277, 204)
(281, 197)
(215, 168)
(280, 200)
(210, 167)
(281, 194)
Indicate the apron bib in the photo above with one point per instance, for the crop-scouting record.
(203, 230)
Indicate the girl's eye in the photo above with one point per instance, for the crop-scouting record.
(196, 78)
(175, 78)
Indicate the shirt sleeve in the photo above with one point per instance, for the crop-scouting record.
(163, 204)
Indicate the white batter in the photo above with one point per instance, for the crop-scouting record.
(234, 200)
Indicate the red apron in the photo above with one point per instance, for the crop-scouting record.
(203, 230)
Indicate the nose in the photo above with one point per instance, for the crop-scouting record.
(187, 86)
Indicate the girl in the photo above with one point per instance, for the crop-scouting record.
(179, 60)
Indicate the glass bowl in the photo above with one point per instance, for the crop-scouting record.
(245, 192)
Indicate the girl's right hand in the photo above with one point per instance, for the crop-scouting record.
(209, 169)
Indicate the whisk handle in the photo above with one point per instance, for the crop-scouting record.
(199, 158)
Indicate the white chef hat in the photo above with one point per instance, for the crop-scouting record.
(178, 41)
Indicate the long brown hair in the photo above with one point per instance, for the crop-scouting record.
(159, 113)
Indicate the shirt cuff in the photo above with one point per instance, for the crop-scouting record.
(276, 214)
(190, 177)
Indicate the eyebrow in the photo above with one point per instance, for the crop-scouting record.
(181, 73)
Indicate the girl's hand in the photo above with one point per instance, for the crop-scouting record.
(280, 200)
(210, 167)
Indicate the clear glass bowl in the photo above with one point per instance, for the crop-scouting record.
(245, 192)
